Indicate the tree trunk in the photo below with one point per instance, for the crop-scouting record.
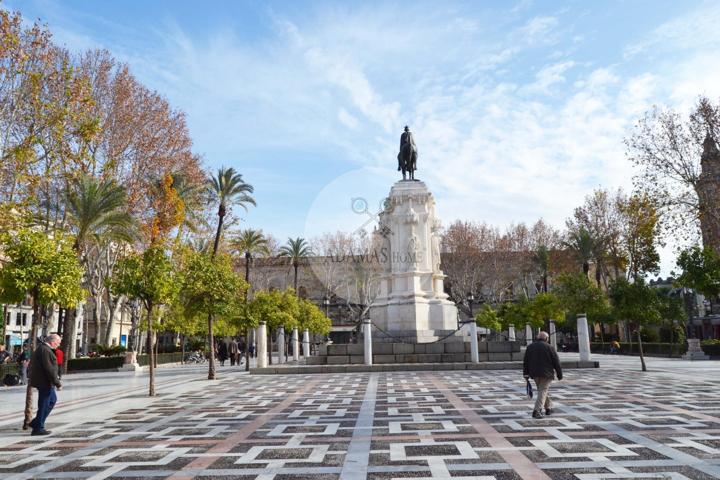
(295, 267)
(270, 343)
(33, 337)
(211, 340)
(157, 348)
(182, 348)
(151, 352)
(221, 216)
(247, 349)
(247, 267)
(113, 308)
(97, 312)
(68, 339)
(642, 357)
(5, 322)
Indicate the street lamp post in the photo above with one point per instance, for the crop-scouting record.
(470, 300)
(326, 302)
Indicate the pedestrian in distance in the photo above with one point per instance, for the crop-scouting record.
(5, 356)
(44, 377)
(222, 352)
(23, 363)
(234, 352)
(60, 356)
(541, 363)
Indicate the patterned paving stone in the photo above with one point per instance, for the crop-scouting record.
(609, 424)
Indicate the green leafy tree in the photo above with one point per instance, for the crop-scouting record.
(44, 268)
(488, 318)
(275, 308)
(512, 314)
(296, 250)
(636, 303)
(545, 307)
(211, 287)
(641, 235)
(151, 278)
(578, 295)
(700, 270)
(312, 318)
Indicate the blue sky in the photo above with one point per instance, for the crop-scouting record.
(519, 109)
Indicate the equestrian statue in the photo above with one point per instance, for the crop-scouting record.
(407, 158)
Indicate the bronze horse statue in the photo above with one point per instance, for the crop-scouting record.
(407, 158)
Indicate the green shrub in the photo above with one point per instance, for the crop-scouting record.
(97, 363)
(161, 358)
(110, 350)
(650, 336)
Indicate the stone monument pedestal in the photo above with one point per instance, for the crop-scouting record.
(412, 305)
(130, 363)
(694, 351)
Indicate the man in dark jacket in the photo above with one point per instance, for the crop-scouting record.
(541, 362)
(44, 377)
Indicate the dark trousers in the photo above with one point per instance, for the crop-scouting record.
(46, 402)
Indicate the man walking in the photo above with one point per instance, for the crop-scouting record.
(541, 362)
(44, 377)
(233, 351)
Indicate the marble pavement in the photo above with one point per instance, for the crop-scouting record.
(611, 423)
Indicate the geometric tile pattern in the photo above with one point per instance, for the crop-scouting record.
(609, 424)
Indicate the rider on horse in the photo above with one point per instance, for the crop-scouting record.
(407, 158)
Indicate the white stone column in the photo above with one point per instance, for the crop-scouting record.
(367, 339)
(528, 334)
(306, 343)
(511, 333)
(261, 336)
(553, 335)
(474, 355)
(583, 337)
(281, 344)
(295, 344)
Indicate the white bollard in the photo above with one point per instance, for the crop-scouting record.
(528, 334)
(583, 337)
(367, 339)
(261, 336)
(295, 344)
(306, 343)
(281, 345)
(511, 333)
(474, 354)
(553, 335)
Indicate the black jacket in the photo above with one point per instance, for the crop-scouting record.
(541, 360)
(44, 368)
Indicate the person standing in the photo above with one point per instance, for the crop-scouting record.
(60, 356)
(44, 377)
(5, 356)
(234, 352)
(541, 363)
(23, 363)
(222, 352)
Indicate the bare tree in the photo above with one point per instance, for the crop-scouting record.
(668, 147)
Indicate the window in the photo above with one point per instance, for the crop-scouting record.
(18, 318)
(24, 319)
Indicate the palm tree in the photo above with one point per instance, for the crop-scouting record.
(250, 242)
(582, 245)
(97, 215)
(230, 189)
(295, 250)
(542, 261)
